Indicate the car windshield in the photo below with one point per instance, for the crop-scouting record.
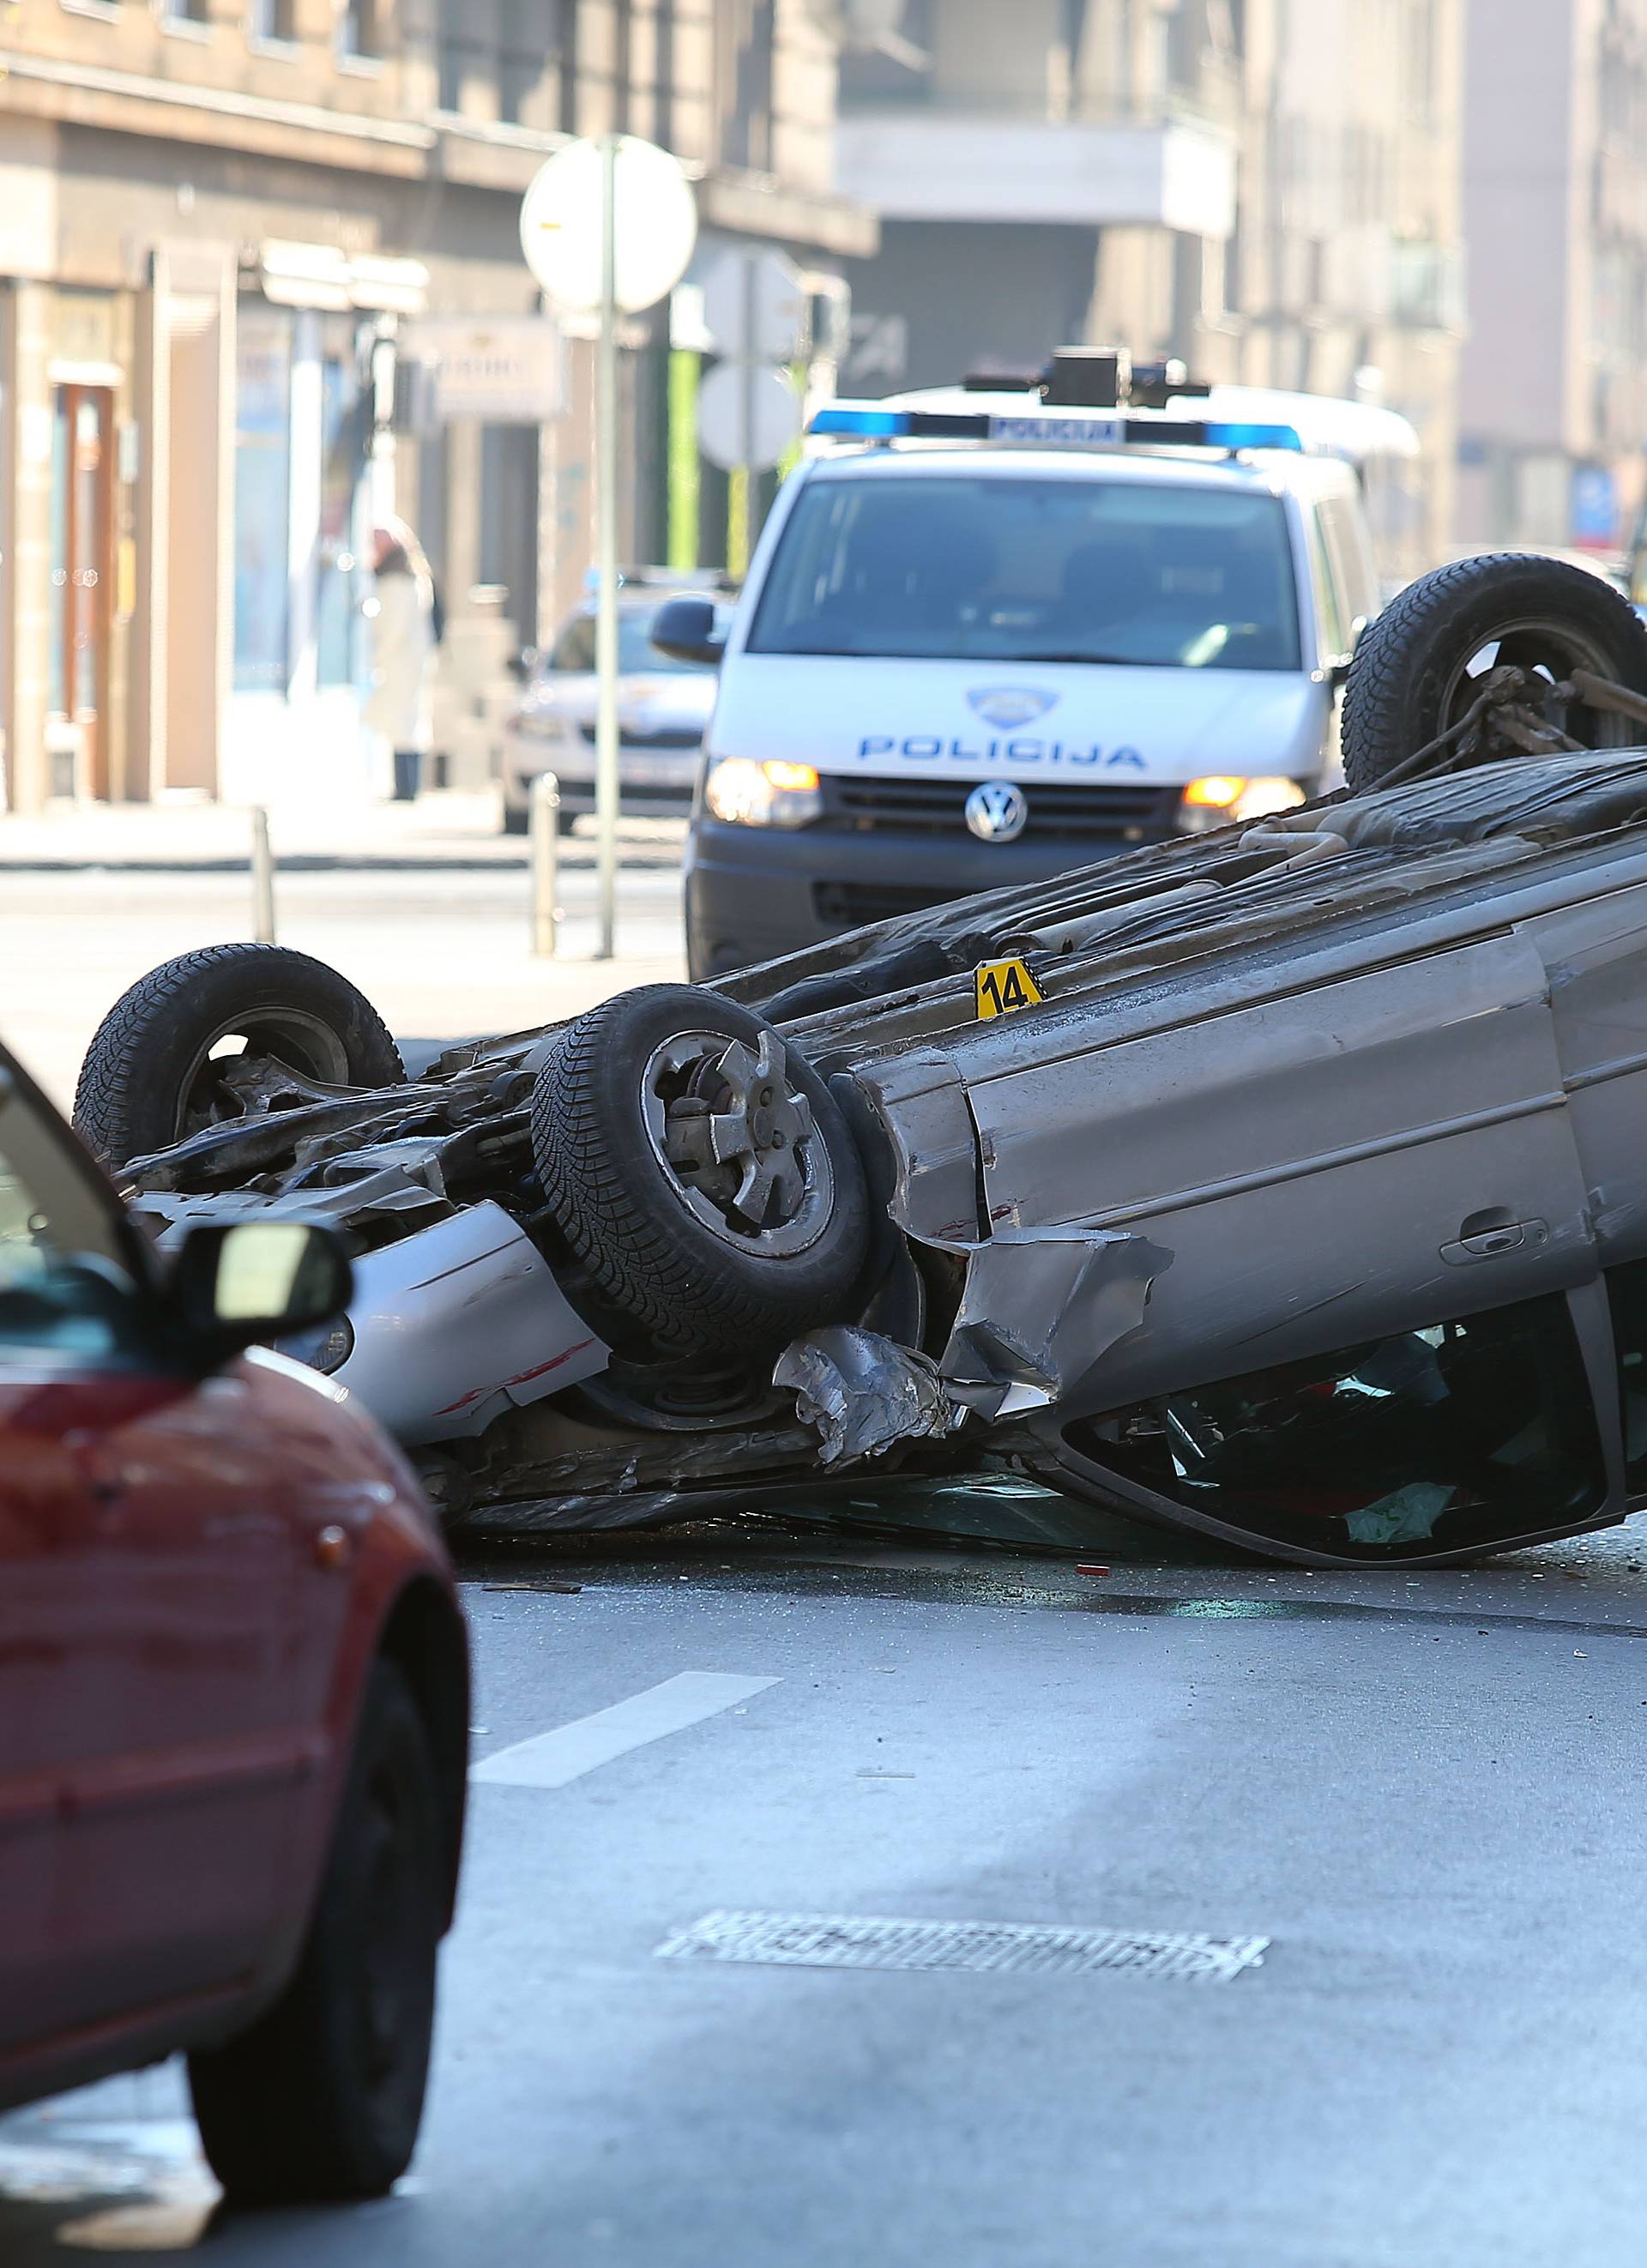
(1157, 575)
(574, 652)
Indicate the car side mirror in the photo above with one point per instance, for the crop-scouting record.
(684, 629)
(245, 1283)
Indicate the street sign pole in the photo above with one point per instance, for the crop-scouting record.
(606, 553)
(584, 261)
(750, 374)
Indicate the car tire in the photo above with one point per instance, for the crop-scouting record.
(1410, 679)
(320, 2101)
(146, 1080)
(665, 1239)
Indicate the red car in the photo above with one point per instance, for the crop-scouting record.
(233, 1689)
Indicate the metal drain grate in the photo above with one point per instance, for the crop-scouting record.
(867, 1941)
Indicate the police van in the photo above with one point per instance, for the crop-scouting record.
(990, 635)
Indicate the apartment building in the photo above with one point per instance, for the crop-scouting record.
(1348, 272)
(1046, 172)
(1269, 189)
(1554, 389)
(234, 233)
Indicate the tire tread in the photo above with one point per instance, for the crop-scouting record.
(670, 1285)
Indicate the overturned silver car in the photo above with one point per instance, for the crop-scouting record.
(1284, 1184)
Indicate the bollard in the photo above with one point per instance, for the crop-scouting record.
(546, 864)
(263, 879)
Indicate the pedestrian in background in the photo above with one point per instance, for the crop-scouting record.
(400, 705)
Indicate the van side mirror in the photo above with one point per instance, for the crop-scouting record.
(684, 629)
(245, 1283)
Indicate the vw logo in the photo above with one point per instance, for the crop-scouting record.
(997, 812)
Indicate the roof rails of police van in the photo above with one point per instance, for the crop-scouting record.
(1093, 378)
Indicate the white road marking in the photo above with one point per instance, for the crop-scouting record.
(552, 1759)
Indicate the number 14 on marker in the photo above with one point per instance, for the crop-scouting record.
(1003, 987)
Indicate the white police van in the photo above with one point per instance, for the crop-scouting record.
(990, 636)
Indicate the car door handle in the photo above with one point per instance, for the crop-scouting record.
(1491, 1243)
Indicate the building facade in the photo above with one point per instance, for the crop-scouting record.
(1348, 270)
(1270, 189)
(233, 235)
(1554, 396)
(1046, 174)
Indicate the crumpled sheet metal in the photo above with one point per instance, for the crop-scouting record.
(863, 1393)
(1040, 1306)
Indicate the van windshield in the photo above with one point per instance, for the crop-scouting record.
(957, 569)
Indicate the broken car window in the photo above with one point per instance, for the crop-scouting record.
(1434, 1440)
(1627, 1289)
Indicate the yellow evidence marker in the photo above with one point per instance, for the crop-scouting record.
(1003, 987)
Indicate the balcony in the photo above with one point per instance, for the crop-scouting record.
(937, 164)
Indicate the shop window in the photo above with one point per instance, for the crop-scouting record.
(263, 498)
(1430, 1441)
(340, 568)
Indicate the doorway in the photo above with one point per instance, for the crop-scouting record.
(82, 557)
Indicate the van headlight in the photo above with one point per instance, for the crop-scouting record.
(1220, 797)
(740, 792)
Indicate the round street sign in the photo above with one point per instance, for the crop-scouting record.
(748, 414)
(561, 225)
(755, 305)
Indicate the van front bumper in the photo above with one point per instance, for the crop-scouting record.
(753, 893)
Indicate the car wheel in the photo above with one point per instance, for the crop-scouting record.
(1422, 664)
(700, 1170)
(183, 1049)
(322, 2099)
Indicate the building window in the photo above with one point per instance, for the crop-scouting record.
(186, 12)
(274, 20)
(361, 26)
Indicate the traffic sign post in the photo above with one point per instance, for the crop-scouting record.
(608, 227)
(748, 414)
(756, 310)
(607, 782)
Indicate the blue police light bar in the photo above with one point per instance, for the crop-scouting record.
(870, 421)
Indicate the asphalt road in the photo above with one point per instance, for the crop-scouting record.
(1426, 1793)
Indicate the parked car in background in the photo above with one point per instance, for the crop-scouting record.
(663, 704)
(233, 1687)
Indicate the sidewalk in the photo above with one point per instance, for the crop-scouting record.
(425, 906)
(442, 831)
